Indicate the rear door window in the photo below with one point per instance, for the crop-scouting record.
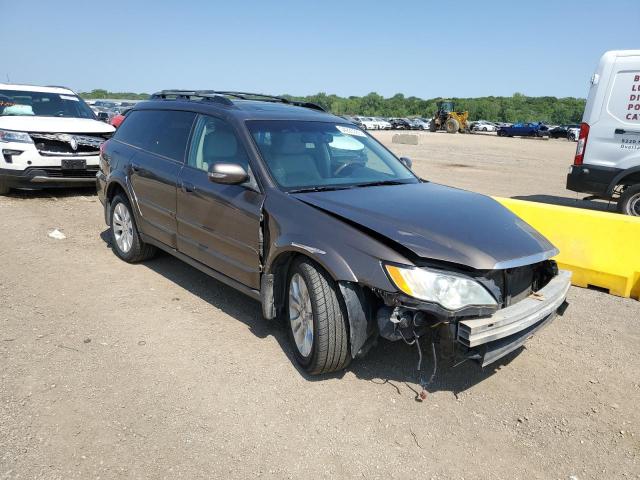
(163, 132)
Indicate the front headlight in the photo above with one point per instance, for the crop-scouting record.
(453, 292)
(11, 136)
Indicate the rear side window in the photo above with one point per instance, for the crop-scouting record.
(163, 132)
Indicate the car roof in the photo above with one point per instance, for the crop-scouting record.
(244, 110)
(272, 108)
(36, 88)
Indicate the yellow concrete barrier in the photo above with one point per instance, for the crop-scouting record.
(601, 249)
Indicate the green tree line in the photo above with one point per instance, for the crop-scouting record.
(100, 94)
(515, 108)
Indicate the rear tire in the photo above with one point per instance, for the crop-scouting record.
(125, 239)
(320, 309)
(452, 125)
(432, 126)
(4, 188)
(629, 201)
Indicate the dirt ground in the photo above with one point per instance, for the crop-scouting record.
(118, 371)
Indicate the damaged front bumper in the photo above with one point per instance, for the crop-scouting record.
(491, 338)
(481, 334)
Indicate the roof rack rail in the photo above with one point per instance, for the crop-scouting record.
(175, 94)
(222, 96)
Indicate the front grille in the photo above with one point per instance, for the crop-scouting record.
(57, 172)
(67, 144)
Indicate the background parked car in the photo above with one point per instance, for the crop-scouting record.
(368, 123)
(119, 118)
(418, 124)
(483, 126)
(561, 131)
(524, 130)
(400, 124)
(105, 104)
(104, 116)
(573, 133)
(382, 123)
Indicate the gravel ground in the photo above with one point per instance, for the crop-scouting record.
(110, 370)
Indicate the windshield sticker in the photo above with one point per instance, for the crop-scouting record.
(69, 97)
(351, 131)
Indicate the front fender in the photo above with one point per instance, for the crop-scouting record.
(344, 251)
(316, 249)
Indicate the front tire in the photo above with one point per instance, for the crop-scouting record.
(316, 319)
(4, 188)
(125, 239)
(452, 125)
(629, 201)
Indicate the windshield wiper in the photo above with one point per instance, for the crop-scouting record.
(320, 188)
(381, 182)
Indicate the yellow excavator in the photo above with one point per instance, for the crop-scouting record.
(447, 118)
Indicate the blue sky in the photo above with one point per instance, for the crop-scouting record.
(347, 47)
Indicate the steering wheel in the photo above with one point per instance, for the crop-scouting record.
(342, 168)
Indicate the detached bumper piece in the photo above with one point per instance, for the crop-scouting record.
(491, 338)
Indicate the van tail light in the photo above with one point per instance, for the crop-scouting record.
(582, 144)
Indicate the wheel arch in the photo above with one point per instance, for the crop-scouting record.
(630, 175)
(113, 188)
(357, 305)
(274, 279)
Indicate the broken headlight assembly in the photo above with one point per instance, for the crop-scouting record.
(450, 291)
(12, 136)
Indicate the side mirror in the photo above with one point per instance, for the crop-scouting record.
(406, 161)
(228, 173)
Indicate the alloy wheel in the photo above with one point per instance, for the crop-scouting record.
(122, 227)
(301, 314)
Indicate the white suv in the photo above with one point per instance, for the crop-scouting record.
(49, 137)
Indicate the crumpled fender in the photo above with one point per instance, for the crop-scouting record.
(344, 251)
(350, 256)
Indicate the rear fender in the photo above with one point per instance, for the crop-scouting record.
(119, 179)
(631, 174)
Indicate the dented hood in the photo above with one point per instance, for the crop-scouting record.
(24, 123)
(440, 223)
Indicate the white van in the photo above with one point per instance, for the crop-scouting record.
(49, 137)
(607, 161)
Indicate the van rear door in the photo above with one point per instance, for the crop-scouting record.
(614, 124)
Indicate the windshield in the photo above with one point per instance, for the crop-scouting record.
(320, 155)
(42, 104)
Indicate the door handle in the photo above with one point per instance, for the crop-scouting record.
(188, 187)
(622, 131)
